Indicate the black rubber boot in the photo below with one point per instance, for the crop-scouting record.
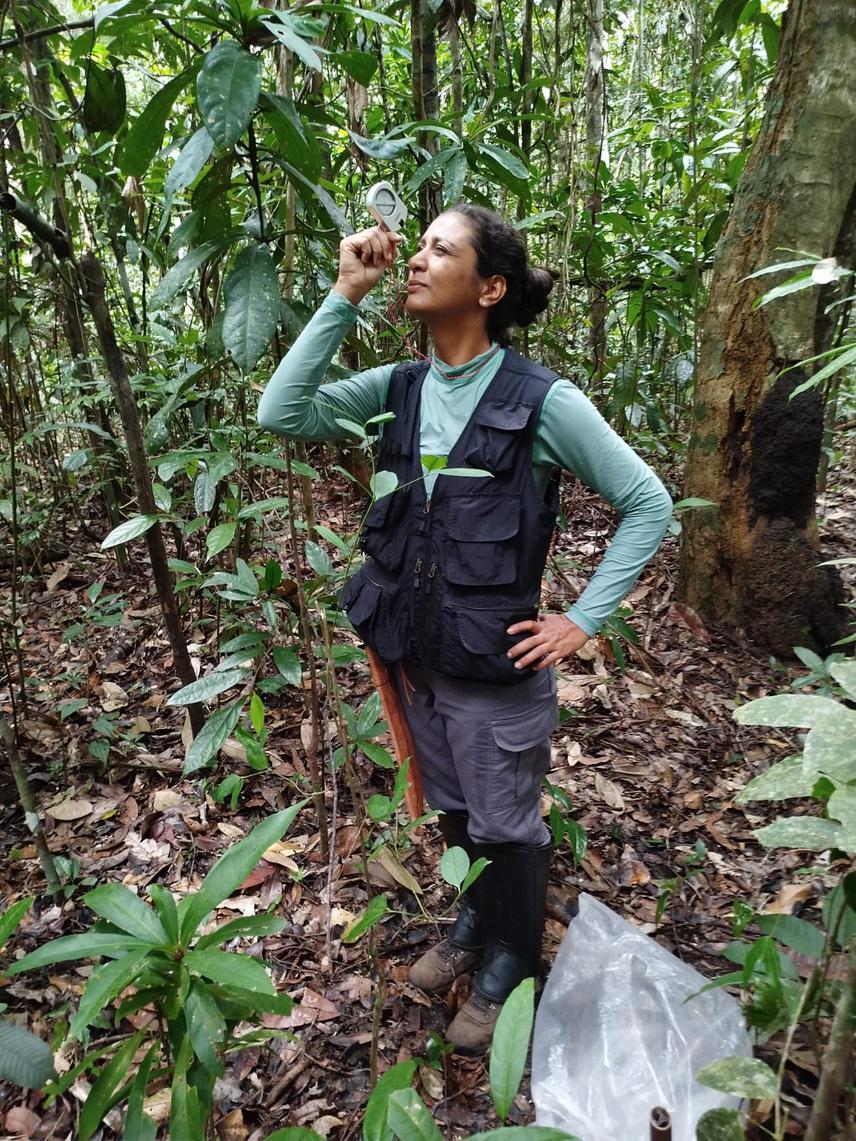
(513, 893)
(461, 950)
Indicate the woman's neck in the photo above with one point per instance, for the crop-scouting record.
(456, 343)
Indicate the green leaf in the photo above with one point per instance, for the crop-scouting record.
(318, 559)
(253, 926)
(352, 427)
(409, 1117)
(397, 1077)
(288, 665)
(188, 166)
(466, 472)
(12, 916)
(382, 148)
(845, 674)
(830, 747)
(359, 65)
(720, 1125)
(167, 910)
(428, 169)
(378, 754)
(742, 1077)
(510, 1046)
(335, 215)
(252, 306)
(454, 865)
(219, 538)
(211, 737)
(793, 285)
(174, 278)
(233, 867)
(88, 946)
(204, 493)
(25, 1060)
(228, 968)
(227, 90)
(506, 160)
(125, 910)
(523, 1133)
(186, 1122)
(294, 1133)
(207, 687)
(103, 1091)
(205, 1025)
(804, 832)
(798, 934)
(787, 709)
(138, 1125)
(383, 483)
(106, 982)
(375, 911)
(251, 1000)
(143, 141)
(476, 869)
(781, 781)
(295, 139)
(130, 529)
(842, 807)
(257, 713)
(104, 100)
(286, 31)
(839, 911)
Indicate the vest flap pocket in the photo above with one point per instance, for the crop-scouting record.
(483, 518)
(483, 631)
(360, 598)
(379, 510)
(504, 414)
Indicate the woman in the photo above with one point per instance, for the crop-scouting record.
(449, 593)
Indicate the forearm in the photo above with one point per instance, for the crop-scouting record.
(295, 404)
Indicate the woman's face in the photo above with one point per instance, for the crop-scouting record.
(443, 278)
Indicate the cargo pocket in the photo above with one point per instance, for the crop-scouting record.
(481, 545)
(367, 605)
(521, 757)
(494, 434)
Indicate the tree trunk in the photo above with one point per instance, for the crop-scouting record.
(595, 142)
(751, 560)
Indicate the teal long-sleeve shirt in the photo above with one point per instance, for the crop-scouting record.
(570, 434)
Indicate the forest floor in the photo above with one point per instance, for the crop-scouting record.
(650, 757)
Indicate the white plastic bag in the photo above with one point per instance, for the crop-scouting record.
(614, 1036)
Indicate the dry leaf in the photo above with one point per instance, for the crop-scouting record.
(609, 792)
(789, 896)
(278, 854)
(394, 867)
(232, 1127)
(631, 871)
(112, 696)
(57, 577)
(165, 798)
(70, 809)
(21, 1121)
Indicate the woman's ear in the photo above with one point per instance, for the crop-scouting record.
(493, 290)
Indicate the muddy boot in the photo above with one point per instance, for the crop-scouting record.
(461, 950)
(514, 891)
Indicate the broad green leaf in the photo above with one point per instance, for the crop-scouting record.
(211, 737)
(294, 1133)
(409, 1117)
(288, 665)
(219, 538)
(508, 161)
(106, 983)
(428, 169)
(793, 285)
(798, 934)
(466, 472)
(809, 833)
(375, 911)
(385, 149)
(167, 910)
(454, 865)
(368, 724)
(799, 264)
(845, 674)
(251, 1000)
(104, 99)
(204, 493)
(286, 31)
(143, 141)
(523, 1133)
(249, 926)
(228, 968)
(839, 911)
(186, 1121)
(125, 910)
(318, 559)
(296, 140)
(233, 867)
(257, 713)
(252, 306)
(397, 1077)
(130, 529)
(787, 709)
(263, 506)
(25, 1060)
(781, 781)
(173, 280)
(454, 176)
(67, 947)
(842, 806)
(720, 1125)
(510, 1046)
(378, 754)
(383, 483)
(104, 1089)
(138, 1125)
(12, 916)
(207, 687)
(830, 747)
(352, 427)
(336, 216)
(476, 869)
(742, 1077)
(227, 90)
(359, 65)
(205, 1025)
(189, 165)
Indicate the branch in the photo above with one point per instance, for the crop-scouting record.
(40, 229)
(43, 33)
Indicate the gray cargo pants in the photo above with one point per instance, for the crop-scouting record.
(483, 749)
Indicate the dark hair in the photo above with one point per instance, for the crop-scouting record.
(500, 249)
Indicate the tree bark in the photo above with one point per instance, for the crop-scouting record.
(751, 560)
(595, 142)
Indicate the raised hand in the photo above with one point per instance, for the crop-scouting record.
(363, 260)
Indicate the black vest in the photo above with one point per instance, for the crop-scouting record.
(447, 575)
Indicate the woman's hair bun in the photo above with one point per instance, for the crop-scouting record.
(534, 295)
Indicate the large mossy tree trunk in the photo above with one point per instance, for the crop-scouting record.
(751, 561)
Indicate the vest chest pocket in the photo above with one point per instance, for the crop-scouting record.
(495, 435)
(481, 547)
